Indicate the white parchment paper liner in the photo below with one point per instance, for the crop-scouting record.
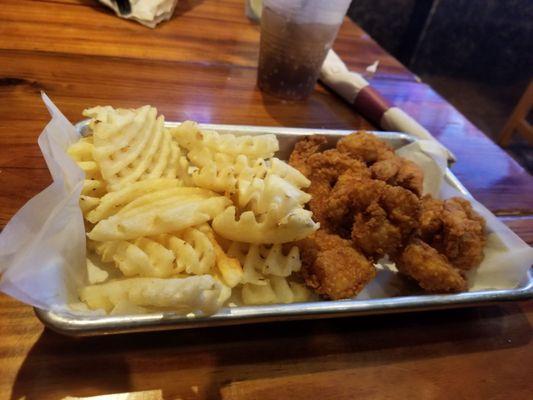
(42, 248)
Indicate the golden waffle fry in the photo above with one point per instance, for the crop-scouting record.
(131, 145)
(144, 257)
(288, 172)
(193, 250)
(94, 273)
(160, 212)
(289, 292)
(258, 294)
(294, 226)
(161, 256)
(202, 156)
(276, 290)
(113, 202)
(189, 135)
(221, 180)
(94, 186)
(229, 268)
(148, 197)
(266, 259)
(272, 193)
(183, 295)
(219, 171)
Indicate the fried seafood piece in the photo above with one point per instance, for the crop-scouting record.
(455, 229)
(304, 149)
(366, 147)
(387, 224)
(402, 207)
(330, 164)
(375, 234)
(431, 210)
(326, 167)
(380, 218)
(430, 269)
(319, 191)
(352, 193)
(463, 238)
(332, 267)
(398, 171)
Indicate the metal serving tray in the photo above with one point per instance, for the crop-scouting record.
(75, 325)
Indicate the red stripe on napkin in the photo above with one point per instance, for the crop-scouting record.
(370, 104)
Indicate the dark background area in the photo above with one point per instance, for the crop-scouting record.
(478, 54)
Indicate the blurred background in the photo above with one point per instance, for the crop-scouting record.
(478, 54)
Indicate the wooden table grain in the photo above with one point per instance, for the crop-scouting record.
(201, 65)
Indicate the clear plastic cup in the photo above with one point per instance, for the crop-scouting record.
(295, 38)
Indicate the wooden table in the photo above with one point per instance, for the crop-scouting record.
(202, 65)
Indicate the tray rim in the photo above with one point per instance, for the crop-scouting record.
(76, 325)
(72, 325)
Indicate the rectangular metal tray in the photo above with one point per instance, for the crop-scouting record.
(75, 325)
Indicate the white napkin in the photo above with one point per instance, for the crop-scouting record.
(336, 75)
(147, 12)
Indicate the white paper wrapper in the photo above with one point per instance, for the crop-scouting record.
(336, 75)
(147, 12)
(42, 248)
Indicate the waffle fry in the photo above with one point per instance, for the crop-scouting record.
(162, 206)
(194, 252)
(183, 295)
(265, 272)
(272, 193)
(157, 213)
(130, 145)
(229, 268)
(268, 260)
(94, 186)
(113, 202)
(267, 230)
(189, 135)
(161, 256)
(276, 290)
